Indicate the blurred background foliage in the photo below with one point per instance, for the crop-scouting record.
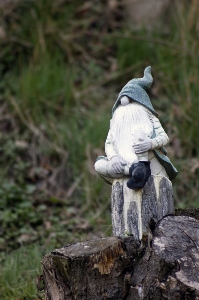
(62, 64)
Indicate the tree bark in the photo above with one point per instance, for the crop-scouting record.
(163, 266)
(134, 211)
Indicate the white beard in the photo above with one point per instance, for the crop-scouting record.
(127, 123)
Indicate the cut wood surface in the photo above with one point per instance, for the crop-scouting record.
(164, 266)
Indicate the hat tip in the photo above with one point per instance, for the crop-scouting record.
(147, 69)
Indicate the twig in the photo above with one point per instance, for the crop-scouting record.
(73, 186)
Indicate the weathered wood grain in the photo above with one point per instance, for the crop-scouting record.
(133, 212)
(90, 270)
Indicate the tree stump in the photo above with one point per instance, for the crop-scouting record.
(122, 268)
(133, 211)
(90, 270)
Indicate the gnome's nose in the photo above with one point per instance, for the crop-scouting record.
(125, 100)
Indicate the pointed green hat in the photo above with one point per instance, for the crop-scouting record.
(136, 89)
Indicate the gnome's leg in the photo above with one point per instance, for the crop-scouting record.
(104, 168)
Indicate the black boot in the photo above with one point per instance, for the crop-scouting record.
(140, 173)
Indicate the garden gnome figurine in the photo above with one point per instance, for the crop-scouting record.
(135, 144)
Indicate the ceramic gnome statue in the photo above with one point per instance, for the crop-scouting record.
(136, 164)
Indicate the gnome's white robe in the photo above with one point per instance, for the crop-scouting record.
(161, 139)
(126, 120)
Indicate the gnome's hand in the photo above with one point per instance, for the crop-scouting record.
(142, 145)
(117, 164)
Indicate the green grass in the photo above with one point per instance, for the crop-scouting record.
(18, 274)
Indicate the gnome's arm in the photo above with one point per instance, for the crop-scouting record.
(161, 138)
(109, 148)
